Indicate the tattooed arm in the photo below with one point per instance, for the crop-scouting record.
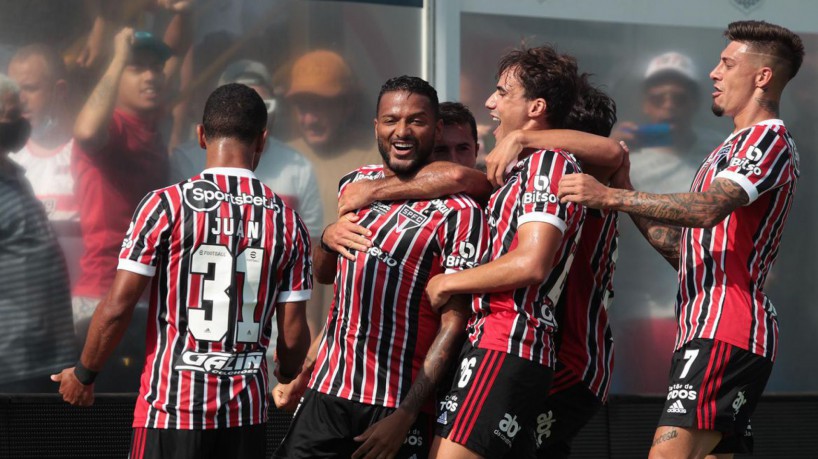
(384, 438)
(692, 210)
(91, 126)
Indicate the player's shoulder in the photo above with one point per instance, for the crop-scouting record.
(554, 158)
(458, 201)
(368, 172)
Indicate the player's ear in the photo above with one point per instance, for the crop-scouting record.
(763, 78)
(439, 131)
(537, 108)
(200, 134)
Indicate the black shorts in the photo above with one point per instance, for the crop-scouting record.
(716, 386)
(246, 442)
(324, 427)
(494, 397)
(566, 412)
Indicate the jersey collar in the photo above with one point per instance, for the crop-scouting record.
(237, 171)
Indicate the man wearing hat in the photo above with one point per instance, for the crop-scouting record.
(118, 157)
(665, 155)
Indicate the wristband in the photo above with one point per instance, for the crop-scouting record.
(324, 246)
(84, 375)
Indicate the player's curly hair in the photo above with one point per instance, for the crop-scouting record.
(413, 85)
(234, 111)
(766, 38)
(545, 73)
(594, 112)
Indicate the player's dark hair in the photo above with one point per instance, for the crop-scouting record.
(594, 112)
(545, 73)
(766, 38)
(234, 111)
(455, 113)
(412, 85)
(52, 58)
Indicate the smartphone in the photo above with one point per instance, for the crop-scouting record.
(653, 135)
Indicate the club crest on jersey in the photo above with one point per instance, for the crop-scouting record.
(220, 363)
(409, 218)
(204, 196)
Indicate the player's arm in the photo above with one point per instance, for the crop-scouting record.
(384, 438)
(527, 264)
(338, 239)
(287, 396)
(433, 180)
(693, 210)
(91, 126)
(293, 339)
(600, 156)
(108, 325)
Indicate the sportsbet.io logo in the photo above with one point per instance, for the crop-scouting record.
(204, 196)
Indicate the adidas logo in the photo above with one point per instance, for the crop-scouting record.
(677, 407)
(443, 419)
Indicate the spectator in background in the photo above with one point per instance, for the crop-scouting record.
(333, 137)
(36, 333)
(665, 155)
(118, 157)
(284, 170)
(46, 158)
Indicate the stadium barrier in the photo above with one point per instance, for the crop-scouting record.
(42, 426)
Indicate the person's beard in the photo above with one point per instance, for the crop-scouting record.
(717, 110)
(420, 158)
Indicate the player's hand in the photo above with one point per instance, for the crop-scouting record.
(622, 177)
(345, 235)
(176, 6)
(94, 44)
(356, 196)
(583, 189)
(287, 396)
(384, 438)
(72, 390)
(435, 288)
(123, 42)
(504, 154)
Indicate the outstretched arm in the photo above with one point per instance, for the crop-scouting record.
(693, 210)
(600, 156)
(440, 178)
(108, 325)
(384, 438)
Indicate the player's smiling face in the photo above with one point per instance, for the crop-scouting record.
(507, 105)
(733, 80)
(406, 130)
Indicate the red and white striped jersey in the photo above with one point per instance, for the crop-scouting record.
(584, 339)
(723, 269)
(381, 324)
(223, 250)
(521, 322)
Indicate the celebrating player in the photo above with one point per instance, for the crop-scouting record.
(723, 237)
(384, 348)
(225, 254)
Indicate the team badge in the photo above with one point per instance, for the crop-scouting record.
(409, 218)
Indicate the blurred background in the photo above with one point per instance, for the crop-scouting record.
(319, 65)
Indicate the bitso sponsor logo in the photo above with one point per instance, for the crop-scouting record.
(541, 193)
(544, 423)
(204, 196)
(465, 257)
(220, 363)
(507, 429)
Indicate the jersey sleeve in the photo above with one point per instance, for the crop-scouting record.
(296, 277)
(141, 246)
(464, 238)
(762, 161)
(539, 192)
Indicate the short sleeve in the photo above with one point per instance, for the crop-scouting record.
(542, 175)
(464, 238)
(296, 277)
(140, 248)
(762, 160)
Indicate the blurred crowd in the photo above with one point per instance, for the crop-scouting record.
(112, 97)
